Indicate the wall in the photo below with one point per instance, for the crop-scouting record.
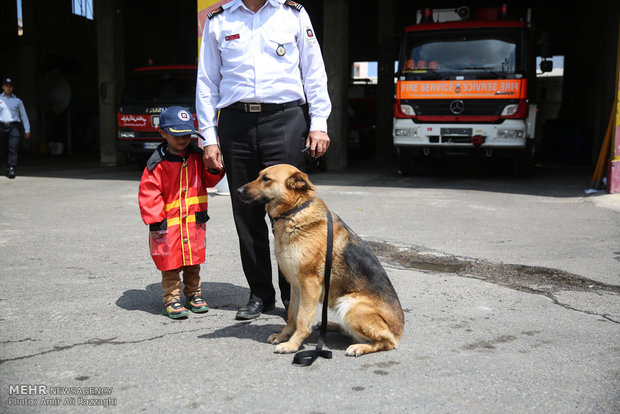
(57, 45)
(54, 64)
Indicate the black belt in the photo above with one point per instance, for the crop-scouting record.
(263, 107)
(6, 124)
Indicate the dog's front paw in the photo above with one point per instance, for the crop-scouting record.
(286, 348)
(357, 350)
(274, 339)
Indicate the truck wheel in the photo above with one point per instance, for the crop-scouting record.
(523, 162)
(406, 161)
(122, 158)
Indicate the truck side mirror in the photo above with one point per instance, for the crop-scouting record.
(546, 65)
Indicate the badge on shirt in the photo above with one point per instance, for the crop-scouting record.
(309, 35)
(280, 50)
(232, 37)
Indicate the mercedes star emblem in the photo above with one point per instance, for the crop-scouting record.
(457, 107)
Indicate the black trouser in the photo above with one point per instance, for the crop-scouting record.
(250, 142)
(9, 140)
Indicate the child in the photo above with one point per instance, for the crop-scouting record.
(173, 202)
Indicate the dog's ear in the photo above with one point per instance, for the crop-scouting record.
(298, 182)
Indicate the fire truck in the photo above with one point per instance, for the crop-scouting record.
(148, 92)
(466, 86)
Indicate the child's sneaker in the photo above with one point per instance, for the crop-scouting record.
(174, 309)
(197, 304)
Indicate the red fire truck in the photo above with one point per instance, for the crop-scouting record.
(148, 92)
(466, 86)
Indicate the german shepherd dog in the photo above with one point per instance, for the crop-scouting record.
(360, 292)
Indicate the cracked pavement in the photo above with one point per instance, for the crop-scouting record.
(510, 290)
(531, 279)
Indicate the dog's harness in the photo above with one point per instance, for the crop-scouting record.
(306, 358)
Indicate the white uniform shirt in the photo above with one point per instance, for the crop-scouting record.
(240, 62)
(12, 110)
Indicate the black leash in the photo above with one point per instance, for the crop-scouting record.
(306, 358)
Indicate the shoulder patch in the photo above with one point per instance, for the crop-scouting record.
(294, 5)
(215, 12)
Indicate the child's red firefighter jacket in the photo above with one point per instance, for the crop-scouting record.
(173, 202)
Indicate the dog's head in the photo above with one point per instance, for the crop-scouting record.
(279, 187)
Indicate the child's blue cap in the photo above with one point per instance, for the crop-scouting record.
(177, 121)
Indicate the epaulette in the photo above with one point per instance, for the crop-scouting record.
(294, 5)
(215, 12)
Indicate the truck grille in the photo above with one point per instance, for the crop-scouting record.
(473, 107)
(148, 135)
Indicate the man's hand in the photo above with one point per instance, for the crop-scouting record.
(318, 141)
(27, 135)
(212, 158)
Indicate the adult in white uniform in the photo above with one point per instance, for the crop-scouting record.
(12, 116)
(260, 66)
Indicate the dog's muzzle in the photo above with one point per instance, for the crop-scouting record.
(247, 198)
(242, 194)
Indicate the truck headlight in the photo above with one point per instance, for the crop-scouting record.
(405, 132)
(510, 110)
(510, 133)
(407, 110)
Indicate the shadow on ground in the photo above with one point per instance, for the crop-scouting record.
(218, 296)
(460, 174)
(260, 333)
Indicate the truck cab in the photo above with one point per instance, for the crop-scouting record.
(148, 92)
(466, 86)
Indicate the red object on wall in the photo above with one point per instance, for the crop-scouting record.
(613, 177)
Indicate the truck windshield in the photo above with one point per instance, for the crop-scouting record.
(495, 53)
(160, 87)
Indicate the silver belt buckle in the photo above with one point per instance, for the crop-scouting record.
(253, 107)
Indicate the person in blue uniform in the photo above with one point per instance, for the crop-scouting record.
(260, 67)
(12, 117)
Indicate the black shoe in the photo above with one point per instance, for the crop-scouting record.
(10, 172)
(253, 310)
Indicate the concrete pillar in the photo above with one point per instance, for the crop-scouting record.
(613, 172)
(108, 22)
(385, 87)
(26, 59)
(335, 53)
